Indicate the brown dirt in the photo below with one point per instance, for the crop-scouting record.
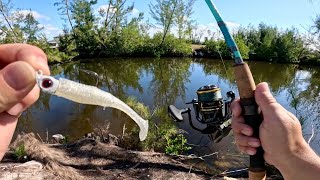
(89, 159)
(197, 46)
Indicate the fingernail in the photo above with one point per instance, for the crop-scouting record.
(43, 64)
(246, 132)
(19, 75)
(254, 144)
(16, 110)
(251, 152)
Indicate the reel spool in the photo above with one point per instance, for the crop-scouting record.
(210, 109)
(209, 105)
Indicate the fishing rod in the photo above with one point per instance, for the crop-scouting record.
(246, 87)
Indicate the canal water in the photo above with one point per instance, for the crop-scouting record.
(160, 82)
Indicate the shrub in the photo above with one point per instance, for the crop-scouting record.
(20, 153)
(162, 137)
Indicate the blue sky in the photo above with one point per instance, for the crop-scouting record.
(281, 13)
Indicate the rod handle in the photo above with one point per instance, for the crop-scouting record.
(246, 87)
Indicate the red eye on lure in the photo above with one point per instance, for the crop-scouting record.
(47, 83)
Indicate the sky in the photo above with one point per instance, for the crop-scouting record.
(237, 13)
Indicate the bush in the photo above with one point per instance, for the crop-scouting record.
(243, 48)
(162, 136)
(53, 54)
(176, 145)
(171, 46)
(20, 153)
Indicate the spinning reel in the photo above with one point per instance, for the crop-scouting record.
(210, 110)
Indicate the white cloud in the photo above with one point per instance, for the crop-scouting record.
(200, 31)
(154, 29)
(104, 9)
(232, 24)
(213, 26)
(212, 30)
(50, 30)
(35, 14)
(135, 12)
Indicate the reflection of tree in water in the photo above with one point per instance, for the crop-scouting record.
(311, 95)
(305, 99)
(223, 69)
(170, 77)
(81, 121)
(42, 105)
(116, 75)
(278, 76)
(312, 91)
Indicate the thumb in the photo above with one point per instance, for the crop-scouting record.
(264, 98)
(16, 81)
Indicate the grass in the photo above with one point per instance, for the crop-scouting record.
(20, 153)
(163, 135)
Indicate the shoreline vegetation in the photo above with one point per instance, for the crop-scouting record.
(115, 31)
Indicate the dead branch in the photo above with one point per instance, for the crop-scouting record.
(312, 133)
(6, 18)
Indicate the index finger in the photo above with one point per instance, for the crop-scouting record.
(236, 108)
(23, 52)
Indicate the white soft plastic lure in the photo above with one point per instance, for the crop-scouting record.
(86, 94)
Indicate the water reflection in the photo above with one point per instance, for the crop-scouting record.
(169, 78)
(160, 82)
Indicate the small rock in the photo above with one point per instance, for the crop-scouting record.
(112, 139)
(58, 138)
(97, 138)
(89, 135)
(31, 170)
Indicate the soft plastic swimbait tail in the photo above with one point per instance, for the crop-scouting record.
(86, 94)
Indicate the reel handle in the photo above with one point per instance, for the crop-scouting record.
(192, 102)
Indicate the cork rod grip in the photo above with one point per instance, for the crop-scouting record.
(246, 86)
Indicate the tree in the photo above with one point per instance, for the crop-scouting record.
(289, 47)
(65, 11)
(163, 12)
(84, 27)
(64, 8)
(31, 28)
(115, 18)
(18, 26)
(115, 14)
(267, 36)
(182, 17)
(7, 28)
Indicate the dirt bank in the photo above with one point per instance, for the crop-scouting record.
(90, 159)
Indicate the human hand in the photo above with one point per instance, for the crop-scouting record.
(280, 132)
(18, 90)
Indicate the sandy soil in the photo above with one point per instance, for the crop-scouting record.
(89, 159)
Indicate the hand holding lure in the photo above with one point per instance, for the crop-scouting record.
(86, 94)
